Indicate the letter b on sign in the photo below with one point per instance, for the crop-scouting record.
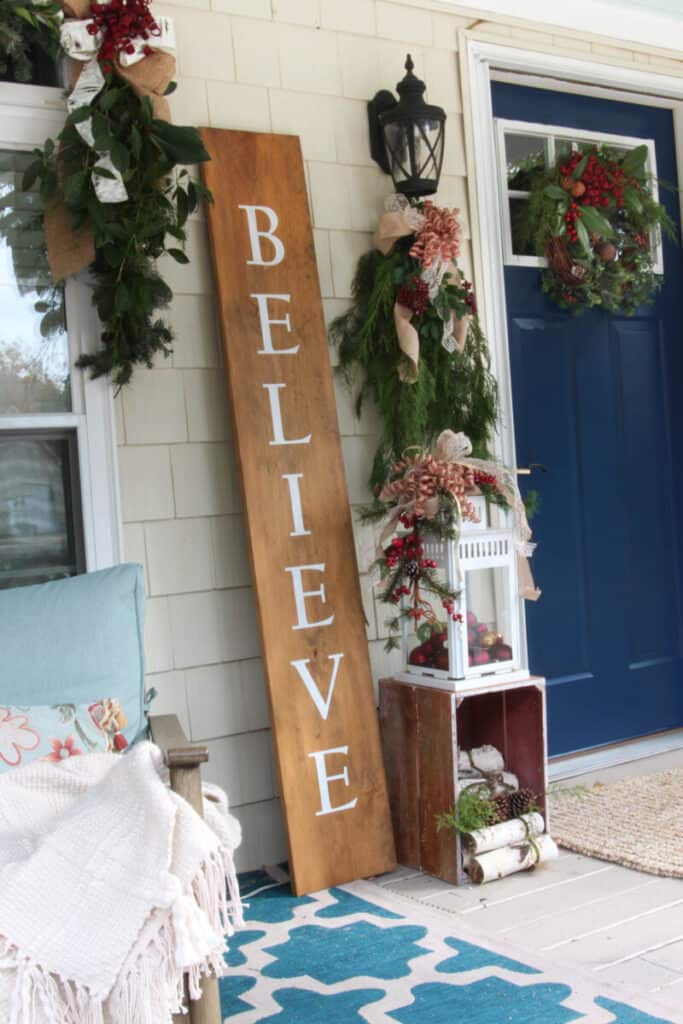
(257, 233)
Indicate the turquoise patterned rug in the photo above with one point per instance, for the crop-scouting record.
(361, 954)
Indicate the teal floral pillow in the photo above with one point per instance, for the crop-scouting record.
(57, 731)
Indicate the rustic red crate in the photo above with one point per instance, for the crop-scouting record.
(422, 729)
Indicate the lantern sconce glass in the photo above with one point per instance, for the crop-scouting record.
(407, 137)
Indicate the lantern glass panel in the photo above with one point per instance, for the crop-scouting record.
(428, 141)
(489, 625)
(427, 638)
(396, 138)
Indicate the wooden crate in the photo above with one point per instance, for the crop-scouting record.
(422, 729)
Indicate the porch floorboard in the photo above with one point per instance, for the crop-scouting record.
(622, 925)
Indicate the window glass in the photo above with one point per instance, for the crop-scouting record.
(34, 354)
(522, 154)
(522, 243)
(39, 515)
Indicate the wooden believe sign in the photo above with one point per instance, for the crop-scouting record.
(304, 569)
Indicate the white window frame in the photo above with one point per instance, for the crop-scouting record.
(28, 115)
(549, 133)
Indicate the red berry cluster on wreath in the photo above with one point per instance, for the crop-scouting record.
(120, 22)
(572, 217)
(414, 295)
(601, 181)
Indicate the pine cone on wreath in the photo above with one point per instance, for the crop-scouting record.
(501, 808)
(521, 802)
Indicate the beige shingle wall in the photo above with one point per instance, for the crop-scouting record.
(305, 67)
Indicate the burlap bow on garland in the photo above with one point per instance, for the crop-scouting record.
(114, 199)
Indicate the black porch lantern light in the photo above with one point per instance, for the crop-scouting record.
(407, 137)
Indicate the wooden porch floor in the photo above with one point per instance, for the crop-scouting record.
(624, 926)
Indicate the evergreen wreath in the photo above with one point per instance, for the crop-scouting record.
(146, 154)
(452, 386)
(595, 219)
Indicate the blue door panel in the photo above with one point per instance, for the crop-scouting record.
(597, 400)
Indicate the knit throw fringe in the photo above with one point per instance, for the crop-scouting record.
(176, 948)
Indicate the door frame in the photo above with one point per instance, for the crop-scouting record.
(482, 62)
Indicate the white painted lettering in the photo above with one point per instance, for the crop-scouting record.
(267, 323)
(295, 501)
(276, 417)
(256, 234)
(300, 595)
(323, 705)
(324, 781)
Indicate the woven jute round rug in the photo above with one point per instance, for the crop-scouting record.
(637, 822)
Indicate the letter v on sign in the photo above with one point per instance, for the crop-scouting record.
(323, 705)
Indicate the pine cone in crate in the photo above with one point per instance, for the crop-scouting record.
(501, 808)
(521, 802)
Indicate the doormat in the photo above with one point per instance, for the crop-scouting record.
(361, 954)
(636, 822)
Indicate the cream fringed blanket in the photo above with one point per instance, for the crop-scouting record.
(111, 889)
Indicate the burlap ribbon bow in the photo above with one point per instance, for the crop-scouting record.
(69, 251)
(392, 226)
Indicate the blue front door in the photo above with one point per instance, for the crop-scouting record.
(598, 400)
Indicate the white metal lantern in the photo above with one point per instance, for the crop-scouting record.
(482, 637)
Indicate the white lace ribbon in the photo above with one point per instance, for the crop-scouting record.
(79, 44)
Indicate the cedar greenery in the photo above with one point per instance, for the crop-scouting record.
(474, 810)
(594, 217)
(453, 390)
(26, 27)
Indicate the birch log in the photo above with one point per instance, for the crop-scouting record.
(505, 834)
(508, 860)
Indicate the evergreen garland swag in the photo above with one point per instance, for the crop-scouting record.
(453, 387)
(129, 236)
(594, 217)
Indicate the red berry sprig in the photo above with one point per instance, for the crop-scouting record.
(483, 479)
(414, 295)
(572, 217)
(120, 22)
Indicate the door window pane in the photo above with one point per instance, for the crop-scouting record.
(523, 153)
(522, 242)
(40, 531)
(34, 355)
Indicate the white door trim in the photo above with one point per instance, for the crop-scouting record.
(480, 59)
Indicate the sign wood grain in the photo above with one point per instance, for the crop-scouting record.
(315, 651)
